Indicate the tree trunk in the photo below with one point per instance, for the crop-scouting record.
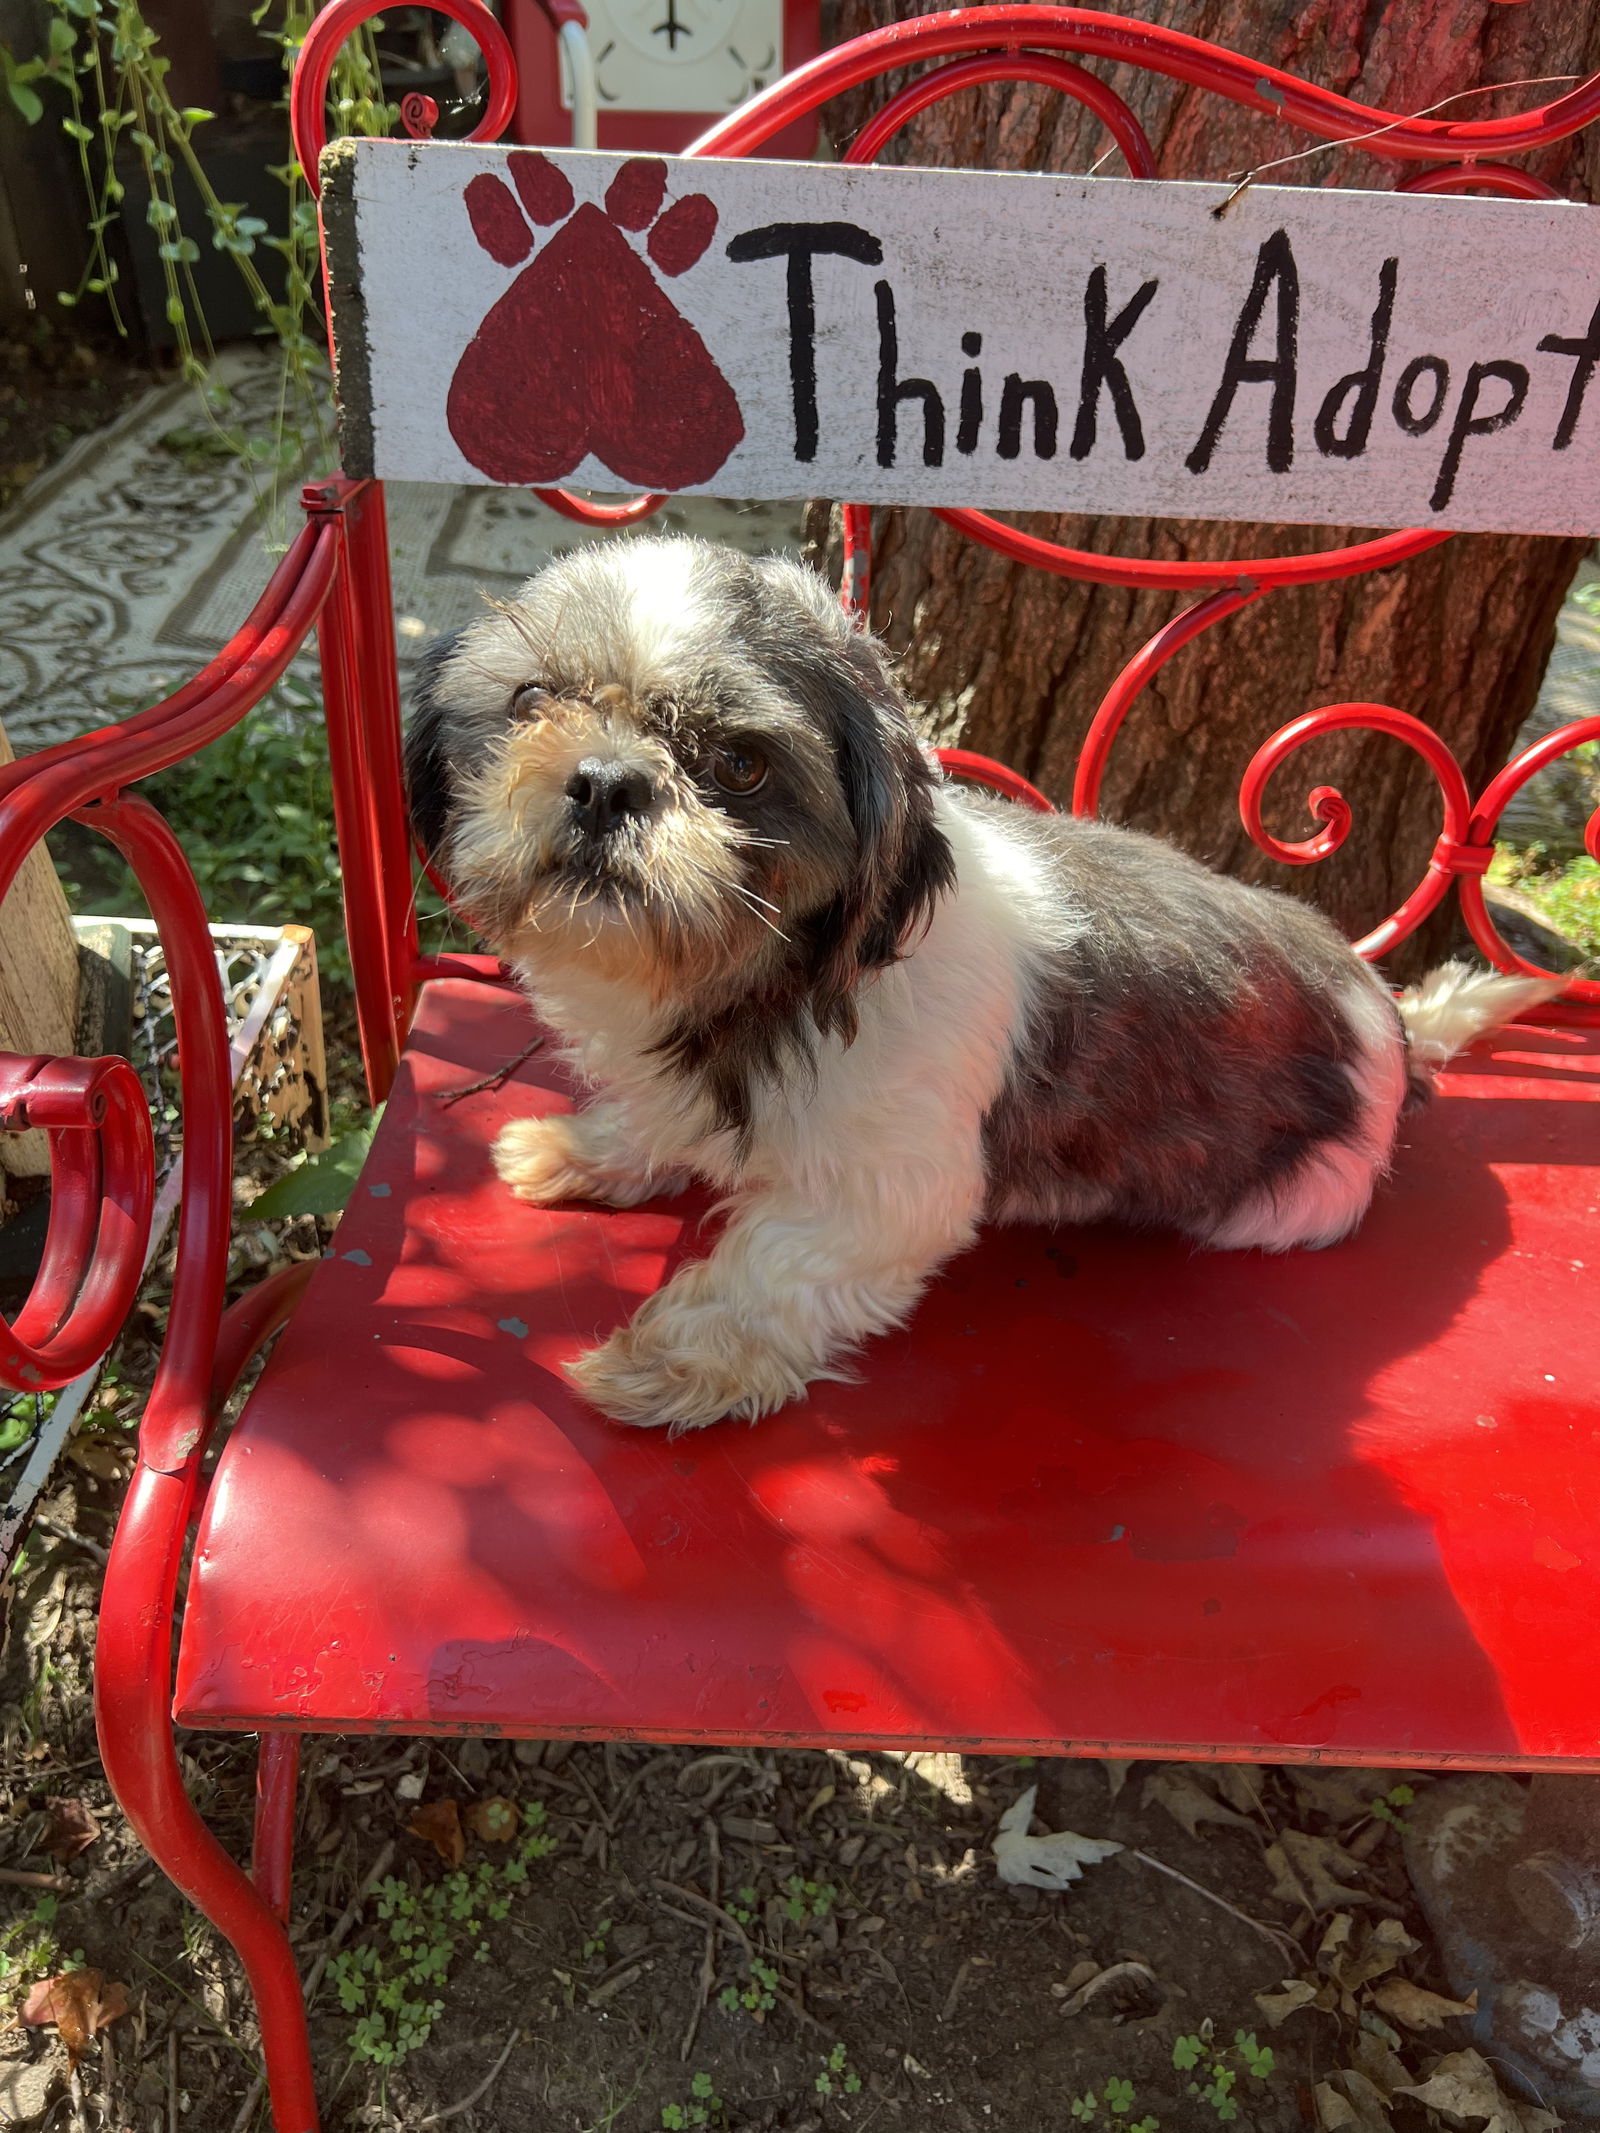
(1014, 662)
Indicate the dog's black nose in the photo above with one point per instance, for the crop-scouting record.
(605, 794)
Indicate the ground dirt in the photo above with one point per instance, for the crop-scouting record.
(52, 391)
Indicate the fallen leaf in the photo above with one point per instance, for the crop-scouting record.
(1127, 1992)
(1352, 1953)
(1079, 1974)
(1347, 2102)
(72, 1829)
(1116, 1773)
(78, 2004)
(105, 1458)
(1187, 1801)
(1382, 2067)
(495, 1820)
(1296, 1992)
(1463, 2085)
(1240, 1785)
(1304, 1871)
(1048, 1862)
(439, 1824)
(1417, 2008)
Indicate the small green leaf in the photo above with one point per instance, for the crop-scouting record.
(63, 37)
(28, 101)
(322, 1184)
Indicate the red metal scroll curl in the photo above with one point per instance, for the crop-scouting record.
(1485, 819)
(102, 1175)
(1454, 855)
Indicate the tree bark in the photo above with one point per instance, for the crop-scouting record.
(1014, 662)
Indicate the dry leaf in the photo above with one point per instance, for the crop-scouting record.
(1240, 1785)
(1304, 1871)
(1381, 2066)
(106, 1458)
(1187, 1801)
(1354, 1954)
(1347, 2102)
(495, 1820)
(439, 1824)
(1048, 1862)
(1463, 2085)
(1296, 1993)
(72, 1829)
(78, 2004)
(1417, 2008)
(1116, 1773)
(1127, 1992)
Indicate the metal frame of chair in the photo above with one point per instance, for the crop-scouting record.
(335, 580)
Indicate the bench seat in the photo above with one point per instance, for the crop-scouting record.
(1106, 1495)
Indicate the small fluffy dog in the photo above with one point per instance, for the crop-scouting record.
(683, 798)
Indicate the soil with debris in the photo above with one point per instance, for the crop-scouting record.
(542, 1938)
(54, 389)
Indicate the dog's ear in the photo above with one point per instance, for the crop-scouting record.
(903, 862)
(430, 790)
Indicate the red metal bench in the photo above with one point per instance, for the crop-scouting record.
(1336, 1505)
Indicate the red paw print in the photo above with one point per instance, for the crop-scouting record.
(586, 352)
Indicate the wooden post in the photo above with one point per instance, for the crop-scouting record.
(38, 987)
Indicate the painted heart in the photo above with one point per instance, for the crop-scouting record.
(586, 352)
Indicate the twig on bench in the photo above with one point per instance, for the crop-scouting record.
(496, 1080)
(313, 1977)
(454, 2110)
(1275, 1936)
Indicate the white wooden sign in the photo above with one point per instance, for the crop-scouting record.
(916, 337)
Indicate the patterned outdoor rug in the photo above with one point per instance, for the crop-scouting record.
(136, 558)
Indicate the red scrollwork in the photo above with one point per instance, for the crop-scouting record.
(1451, 855)
(102, 1177)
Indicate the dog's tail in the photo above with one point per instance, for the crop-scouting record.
(1452, 1005)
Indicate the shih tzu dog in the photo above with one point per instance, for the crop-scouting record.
(683, 798)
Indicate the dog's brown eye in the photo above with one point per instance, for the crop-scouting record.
(739, 770)
(529, 701)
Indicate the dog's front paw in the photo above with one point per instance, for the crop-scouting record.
(542, 1160)
(680, 1367)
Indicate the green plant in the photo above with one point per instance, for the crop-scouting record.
(744, 1910)
(391, 1985)
(1387, 1809)
(757, 1996)
(807, 1901)
(29, 1948)
(596, 1943)
(319, 1184)
(107, 62)
(1111, 2109)
(837, 2076)
(1217, 2078)
(703, 2108)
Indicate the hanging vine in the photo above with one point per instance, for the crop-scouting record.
(107, 60)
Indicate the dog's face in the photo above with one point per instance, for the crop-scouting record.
(675, 768)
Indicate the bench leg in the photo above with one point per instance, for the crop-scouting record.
(133, 1674)
(277, 1781)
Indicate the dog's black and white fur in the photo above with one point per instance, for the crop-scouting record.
(683, 797)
